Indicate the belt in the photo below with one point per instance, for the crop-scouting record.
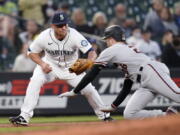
(139, 75)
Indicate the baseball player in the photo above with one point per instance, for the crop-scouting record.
(153, 77)
(60, 44)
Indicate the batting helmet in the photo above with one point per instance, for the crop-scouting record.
(115, 32)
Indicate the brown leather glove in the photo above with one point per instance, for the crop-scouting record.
(80, 66)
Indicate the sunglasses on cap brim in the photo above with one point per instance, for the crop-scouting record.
(60, 25)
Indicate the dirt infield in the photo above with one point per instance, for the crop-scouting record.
(169, 125)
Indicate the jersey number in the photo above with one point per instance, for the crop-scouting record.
(124, 68)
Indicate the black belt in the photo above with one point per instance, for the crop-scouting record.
(139, 76)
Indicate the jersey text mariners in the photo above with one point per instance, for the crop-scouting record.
(62, 53)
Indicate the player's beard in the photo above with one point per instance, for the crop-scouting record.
(60, 35)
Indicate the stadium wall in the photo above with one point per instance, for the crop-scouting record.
(108, 83)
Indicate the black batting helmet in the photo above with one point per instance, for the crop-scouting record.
(114, 31)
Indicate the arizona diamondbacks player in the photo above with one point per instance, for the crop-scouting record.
(60, 44)
(153, 77)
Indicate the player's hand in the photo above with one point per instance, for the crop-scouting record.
(67, 94)
(108, 108)
(46, 67)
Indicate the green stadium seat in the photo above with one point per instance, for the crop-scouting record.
(136, 8)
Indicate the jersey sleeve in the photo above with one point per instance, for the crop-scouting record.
(37, 45)
(105, 57)
(82, 42)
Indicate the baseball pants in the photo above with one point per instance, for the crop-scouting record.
(39, 78)
(155, 80)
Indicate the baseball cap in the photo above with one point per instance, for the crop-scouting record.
(59, 18)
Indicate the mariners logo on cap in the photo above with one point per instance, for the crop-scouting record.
(84, 42)
(61, 17)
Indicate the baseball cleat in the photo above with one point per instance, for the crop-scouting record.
(18, 121)
(171, 110)
(108, 119)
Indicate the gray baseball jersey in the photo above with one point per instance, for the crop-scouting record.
(155, 79)
(128, 58)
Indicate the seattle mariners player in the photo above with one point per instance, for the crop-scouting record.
(153, 77)
(60, 44)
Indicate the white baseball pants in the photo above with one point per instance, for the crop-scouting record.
(39, 78)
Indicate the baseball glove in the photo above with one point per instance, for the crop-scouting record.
(80, 66)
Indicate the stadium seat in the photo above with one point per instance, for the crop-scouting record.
(135, 8)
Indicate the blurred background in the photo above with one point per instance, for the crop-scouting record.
(153, 26)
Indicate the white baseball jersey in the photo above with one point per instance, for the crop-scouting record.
(129, 59)
(60, 54)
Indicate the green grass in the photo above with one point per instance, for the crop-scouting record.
(4, 120)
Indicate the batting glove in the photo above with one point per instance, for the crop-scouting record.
(109, 108)
(67, 94)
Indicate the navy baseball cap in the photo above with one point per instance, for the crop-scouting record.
(59, 18)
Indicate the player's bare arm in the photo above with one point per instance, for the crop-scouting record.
(37, 59)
